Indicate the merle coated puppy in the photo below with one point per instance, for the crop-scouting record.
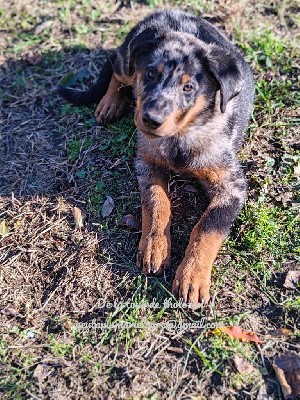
(193, 95)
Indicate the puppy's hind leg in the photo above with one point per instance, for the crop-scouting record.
(114, 103)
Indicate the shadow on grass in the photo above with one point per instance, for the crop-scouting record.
(55, 158)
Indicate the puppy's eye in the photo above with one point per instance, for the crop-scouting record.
(188, 88)
(151, 73)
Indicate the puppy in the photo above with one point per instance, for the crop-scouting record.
(193, 94)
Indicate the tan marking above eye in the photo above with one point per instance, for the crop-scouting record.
(185, 78)
(160, 68)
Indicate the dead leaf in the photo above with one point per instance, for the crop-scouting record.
(241, 365)
(30, 335)
(78, 215)
(4, 229)
(34, 59)
(287, 368)
(292, 280)
(67, 325)
(279, 332)
(39, 373)
(130, 222)
(10, 312)
(262, 393)
(107, 207)
(268, 76)
(46, 366)
(297, 171)
(59, 244)
(42, 27)
(176, 350)
(235, 332)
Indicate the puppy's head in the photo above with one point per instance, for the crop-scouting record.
(176, 78)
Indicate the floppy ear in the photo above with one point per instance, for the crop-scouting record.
(141, 44)
(223, 65)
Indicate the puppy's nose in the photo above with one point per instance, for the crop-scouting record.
(152, 120)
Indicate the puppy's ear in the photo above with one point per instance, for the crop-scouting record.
(140, 45)
(223, 65)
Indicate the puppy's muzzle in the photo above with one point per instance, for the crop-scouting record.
(152, 119)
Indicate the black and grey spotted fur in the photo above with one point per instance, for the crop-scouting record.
(153, 58)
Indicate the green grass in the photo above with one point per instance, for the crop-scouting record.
(17, 377)
(116, 146)
(122, 142)
(275, 94)
(269, 230)
(271, 58)
(218, 350)
(125, 317)
(76, 146)
(292, 304)
(122, 32)
(266, 51)
(196, 6)
(59, 348)
(96, 196)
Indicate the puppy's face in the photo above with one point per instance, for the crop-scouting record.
(172, 87)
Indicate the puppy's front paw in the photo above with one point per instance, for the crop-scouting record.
(154, 253)
(191, 285)
(109, 108)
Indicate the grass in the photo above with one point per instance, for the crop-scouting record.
(55, 277)
(262, 223)
(266, 51)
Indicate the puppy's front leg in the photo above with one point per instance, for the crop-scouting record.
(155, 244)
(193, 276)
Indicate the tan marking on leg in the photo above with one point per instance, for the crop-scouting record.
(124, 79)
(112, 104)
(155, 244)
(193, 276)
(160, 68)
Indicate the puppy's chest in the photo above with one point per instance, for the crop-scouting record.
(175, 154)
